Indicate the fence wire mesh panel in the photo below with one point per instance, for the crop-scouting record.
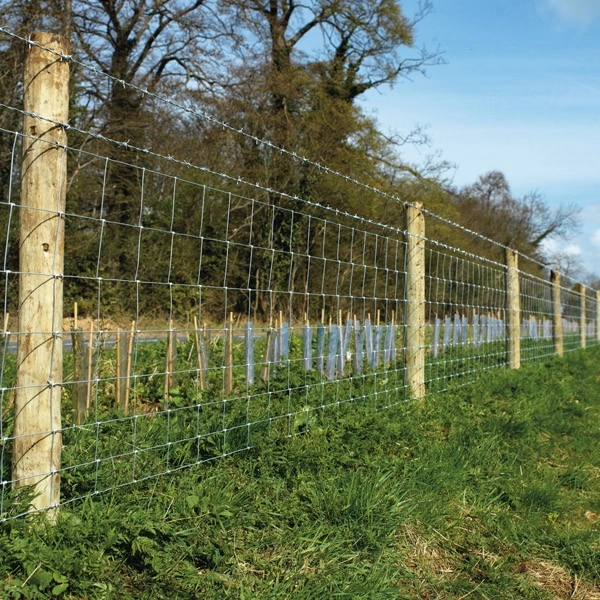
(465, 315)
(537, 339)
(198, 311)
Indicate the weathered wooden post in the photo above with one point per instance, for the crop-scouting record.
(124, 361)
(170, 363)
(557, 329)
(38, 439)
(582, 315)
(598, 315)
(513, 310)
(415, 301)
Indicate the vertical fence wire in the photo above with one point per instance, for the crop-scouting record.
(239, 310)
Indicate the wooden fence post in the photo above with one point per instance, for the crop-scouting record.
(513, 310)
(415, 301)
(170, 363)
(557, 330)
(583, 315)
(598, 315)
(38, 440)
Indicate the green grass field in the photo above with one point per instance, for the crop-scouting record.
(490, 490)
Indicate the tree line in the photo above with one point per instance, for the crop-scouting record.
(285, 71)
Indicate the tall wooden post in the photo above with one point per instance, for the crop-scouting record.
(38, 440)
(598, 315)
(415, 301)
(513, 310)
(557, 330)
(583, 315)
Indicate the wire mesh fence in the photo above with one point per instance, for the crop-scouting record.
(193, 311)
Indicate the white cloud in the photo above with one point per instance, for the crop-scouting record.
(572, 250)
(552, 246)
(595, 239)
(590, 215)
(575, 11)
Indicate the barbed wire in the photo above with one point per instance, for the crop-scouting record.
(336, 334)
(239, 181)
(264, 143)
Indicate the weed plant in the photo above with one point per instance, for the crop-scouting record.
(490, 490)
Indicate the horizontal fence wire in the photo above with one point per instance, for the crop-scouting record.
(201, 312)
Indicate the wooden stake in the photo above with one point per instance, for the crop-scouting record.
(90, 354)
(124, 360)
(118, 368)
(170, 361)
(129, 364)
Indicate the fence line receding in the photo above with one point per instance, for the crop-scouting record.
(195, 311)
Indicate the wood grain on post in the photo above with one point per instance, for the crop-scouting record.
(123, 371)
(415, 301)
(38, 439)
(90, 360)
(170, 362)
(557, 330)
(513, 310)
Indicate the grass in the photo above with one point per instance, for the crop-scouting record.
(490, 490)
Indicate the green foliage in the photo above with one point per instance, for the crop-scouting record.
(489, 490)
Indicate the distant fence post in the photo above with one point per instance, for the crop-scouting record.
(415, 301)
(598, 315)
(38, 439)
(582, 315)
(557, 330)
(513, 310)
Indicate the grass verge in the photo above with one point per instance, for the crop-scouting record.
(487, 491)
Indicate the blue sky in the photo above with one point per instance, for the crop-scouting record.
(519, 92)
